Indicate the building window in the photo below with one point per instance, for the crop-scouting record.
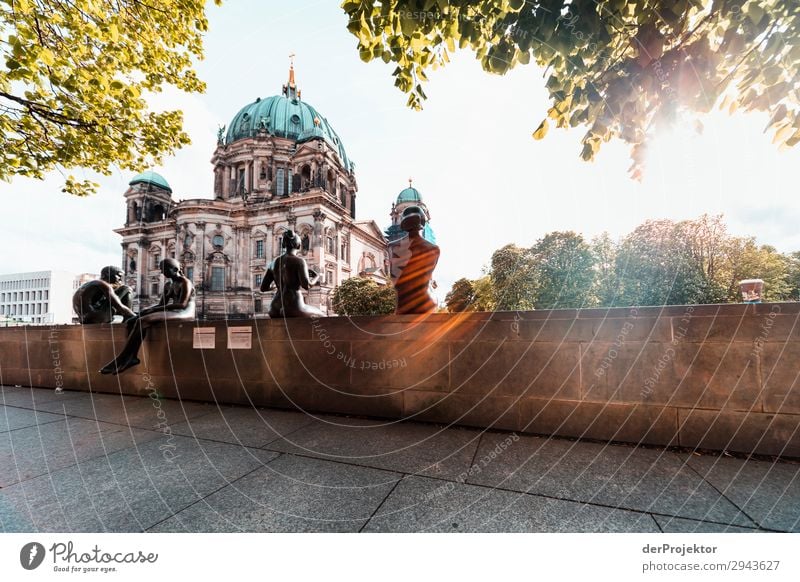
(46, 309)
(329, 277)
(259, 249)
(218, 278)
(257, 305)
(240, 185)
(280, 185)
(305, 243)
(218, 241)
(156, 260)
(39, 295)
(190, 273)
(257, 279)
(154, 289)
(46, 294)
(331, 245)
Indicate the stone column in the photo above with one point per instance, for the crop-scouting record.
(141, 268)
(268, 244)
(242, 257)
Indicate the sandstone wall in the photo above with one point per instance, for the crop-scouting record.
(719, 377)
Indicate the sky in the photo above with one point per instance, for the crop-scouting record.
(470, 153)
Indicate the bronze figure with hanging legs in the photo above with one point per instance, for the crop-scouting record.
(177, 304)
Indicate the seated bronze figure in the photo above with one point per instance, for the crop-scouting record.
(177, 304)
(100, 300)
(290, 273)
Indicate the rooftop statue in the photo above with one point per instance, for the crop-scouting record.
(413, 260)
(290, 273)
(100, 300)
(177, 304)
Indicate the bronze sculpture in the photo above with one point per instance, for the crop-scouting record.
(100, 300)
(177, 304)
(412, 264)
(290, 273)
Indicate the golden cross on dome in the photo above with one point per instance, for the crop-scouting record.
(291, 70)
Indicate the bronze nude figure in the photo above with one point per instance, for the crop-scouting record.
(100, 300)
(177, 304)
(413, 261)
(290, 273)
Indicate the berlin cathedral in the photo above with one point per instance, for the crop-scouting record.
(279, 166)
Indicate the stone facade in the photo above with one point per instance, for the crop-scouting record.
(280, 166)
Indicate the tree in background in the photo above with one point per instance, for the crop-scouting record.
(654, 267)
(461, 296)
(662, 262)
(793, 265)
(619, 68)
(360, 296)
(564, 271)
(74, 80)
(484, 294)
(513, 279)
(471, 295)
(750, 261)
(606, 287)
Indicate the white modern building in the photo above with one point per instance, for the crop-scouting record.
(43, 297)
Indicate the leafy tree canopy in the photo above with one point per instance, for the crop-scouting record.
(619, 68)
(361, 296)
(73, 79)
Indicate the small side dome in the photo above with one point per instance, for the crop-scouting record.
(151, 178)
(410, 194)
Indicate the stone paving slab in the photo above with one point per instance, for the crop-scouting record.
(682, 525)
(768, 492)
(291, 494)
(40, 450)
(419, 504)
(651, 480)
(34, 397)
(127, 491)
(12, 418)
(406, 447)
(140, 412)
(245, 426)
(61, 470)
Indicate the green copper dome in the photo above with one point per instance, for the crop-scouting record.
(152, 178)
(409, 195)
(285, 116)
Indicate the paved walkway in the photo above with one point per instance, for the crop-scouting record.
(89, 463)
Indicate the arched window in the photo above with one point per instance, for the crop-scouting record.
(306, 243)
(218, 241)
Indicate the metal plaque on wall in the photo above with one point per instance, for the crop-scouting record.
(240, 338)
(204, 338)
